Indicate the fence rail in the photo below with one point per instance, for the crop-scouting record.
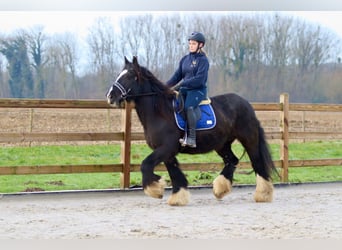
(126, 136)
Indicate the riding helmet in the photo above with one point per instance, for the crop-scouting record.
(197, 36)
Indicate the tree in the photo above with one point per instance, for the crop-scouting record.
(21, 81)
(131, 39)
(3, 83)
(173, 44)
(36, 41)
(255, 55)
(101, 43)
(69, 60)
(62, 66)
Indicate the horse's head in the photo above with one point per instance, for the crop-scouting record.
(125, 84)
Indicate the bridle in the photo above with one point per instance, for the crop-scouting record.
(125, 93)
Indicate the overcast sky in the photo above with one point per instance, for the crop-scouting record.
(79, 21)
(174, 5)
(78, 15)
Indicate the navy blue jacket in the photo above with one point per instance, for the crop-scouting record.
(193, 69)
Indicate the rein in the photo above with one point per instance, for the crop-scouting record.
(125, 93)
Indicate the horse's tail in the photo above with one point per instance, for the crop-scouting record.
(265, 155)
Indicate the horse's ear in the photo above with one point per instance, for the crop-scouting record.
(126, 60)
(135, 60)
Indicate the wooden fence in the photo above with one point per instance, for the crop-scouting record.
(126, 136)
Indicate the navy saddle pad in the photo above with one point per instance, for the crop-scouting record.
(207, 120)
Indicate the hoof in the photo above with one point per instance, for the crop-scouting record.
(181, 198)
(156, 189)
(263, 191)
(221, 186)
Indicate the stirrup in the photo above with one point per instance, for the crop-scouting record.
(182, 141)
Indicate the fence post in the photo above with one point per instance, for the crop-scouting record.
(108, 122)
(126, 145)
(31, 123)
(284, 142)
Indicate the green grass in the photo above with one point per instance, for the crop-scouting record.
(107, 154)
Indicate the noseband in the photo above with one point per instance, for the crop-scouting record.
(124, 92)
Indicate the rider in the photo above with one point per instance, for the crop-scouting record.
(193, 70)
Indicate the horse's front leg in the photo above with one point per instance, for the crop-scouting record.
(222, 184)
(180, 195)
(153, 184)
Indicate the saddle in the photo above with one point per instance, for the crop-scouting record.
(205, 112)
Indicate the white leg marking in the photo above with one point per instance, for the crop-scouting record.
(263, 191)
(181, 198)
(221, 186)
(156, 189)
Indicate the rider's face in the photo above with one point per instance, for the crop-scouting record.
(193, 46)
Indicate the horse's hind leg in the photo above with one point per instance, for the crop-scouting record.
(222, 184)
(180, 195)
(262, 164)
(264, 186)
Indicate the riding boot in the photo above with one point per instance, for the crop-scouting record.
(190, 137)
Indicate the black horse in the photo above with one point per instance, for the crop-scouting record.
(236, 119)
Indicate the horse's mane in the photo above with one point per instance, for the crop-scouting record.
(156, 85)
(163, 92)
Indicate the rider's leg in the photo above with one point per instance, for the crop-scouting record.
(192, 100)
(190, 139)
